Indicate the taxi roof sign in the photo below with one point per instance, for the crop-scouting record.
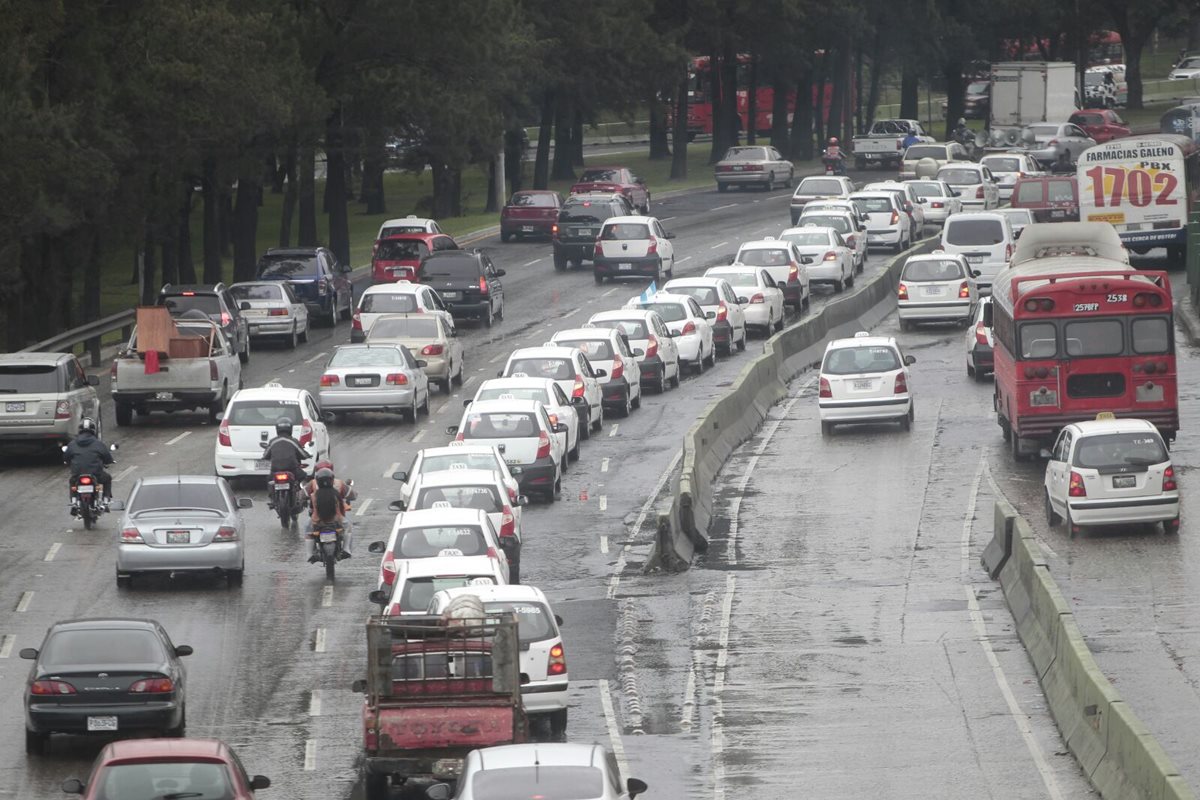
(1106, 415)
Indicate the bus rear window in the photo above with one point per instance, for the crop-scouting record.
(1039, 340)
(1151, 336)
(1094, 337)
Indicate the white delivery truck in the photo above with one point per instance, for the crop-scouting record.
(1025, 92)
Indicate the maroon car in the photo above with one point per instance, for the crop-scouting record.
(529, 213)
(615, 179)
(167, 768)
(1050, 198)
(1102, 124)
(398, 258)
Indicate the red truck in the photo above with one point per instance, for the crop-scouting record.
(437, 688)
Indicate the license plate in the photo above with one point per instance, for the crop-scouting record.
(163, 396)
(1057, 214)
(254, 312)
(583, 231)
(1124, 481)
(931, 291)
(102, 723)
(527, 228)
(512, 461)
(362, 381)
(863, 384)
(85, 488)
(178, 537)
(14, 407)
(738, 169)
(1048, 399)
(624, 266)
(450, 295)
(975, 259)
(283, 486)
(328, 536)
(262, 463)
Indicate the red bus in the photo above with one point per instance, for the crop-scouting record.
(1104, 47)
(1076, 330)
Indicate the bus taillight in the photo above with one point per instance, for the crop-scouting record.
(1143, 299)
(1039, 304)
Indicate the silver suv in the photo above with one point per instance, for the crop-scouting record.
(43, 396)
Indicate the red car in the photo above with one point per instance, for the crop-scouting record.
(529, 213)
(615, 179)
(167, 768)
(1102, 124)
(398, 258)
(1049, 198)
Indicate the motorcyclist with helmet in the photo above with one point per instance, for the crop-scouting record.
(833, 156)
(962, 134)
(329, 499)
(87, 455)
(284, 452)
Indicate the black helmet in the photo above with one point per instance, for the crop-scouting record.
(87, 425)
(324, 478)
(283, 427)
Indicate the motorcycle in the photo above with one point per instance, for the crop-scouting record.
(834, 165)
(287, 500)
(327, 540)
(86, 500)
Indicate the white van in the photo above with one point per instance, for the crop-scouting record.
(985, 238)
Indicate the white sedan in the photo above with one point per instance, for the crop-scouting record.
(687, 324)
(545, 391)
(824, 252)
(758, 294)
(939, 199)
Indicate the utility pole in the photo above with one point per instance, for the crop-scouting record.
(500, 183)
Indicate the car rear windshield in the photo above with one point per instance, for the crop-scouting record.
(819, 186)
(1017, 216)
(401, 250)
(264, 412)
(1043, 130)
(178, 778)
(178, 495)
(389, 303)
(810, 239)
(287, 266)
(705, 295)
(1030, 192)
(102, 646)
(928, 189)
(537, 200)
(419, 591)
(459, 461)
(481, 498)
(632, 328)
(1060, 191)
(600, 176)
(207, 304)
(859, 360)
(514, 392)
(1139, 449)
(427, 542)
(974, 232)
(29, 379)
(670, 312)
(533, 619)
(838, 222)
(959, 177)
(594, 349)
(558, 369)
(765, 257)
(586, 212)
(400, 230)
(456, 267)
(941, 270)
(404, 328)
(1002, 164)
(367, 357)
(551, 782)
(741, 278)
(626, 230)
(874, 205)
(919, 151)
(258, 291)
(745, 154)
(500, 425)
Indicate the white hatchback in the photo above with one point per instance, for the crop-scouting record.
(570, 369)
(688, 326)
(721, 308)
(865, 379)
(608, 351)
(826, 255)
(985, 238)
(848, 223)
(1111, 471)
(888, 224)
(429, 534)
(974, 183)
(546, 392)
(248, 424)
(647, 332)
(939, 200)
(526, 433)
(457, 455)
(936, 287)
(1007, 167)
(632, 247)
(782, 261)
(401, 297)
(760, 297)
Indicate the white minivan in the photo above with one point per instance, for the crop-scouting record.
(985, 238)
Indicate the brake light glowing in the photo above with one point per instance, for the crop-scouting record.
(825, 390)
(964, 289)
(432, 350)
(902, 292)
(981, 333)
(1076, 487)
(554, 230)
(306, 433)
(152, 686)
(598, 250)
(51, 687)
(396, 379)
(543, 450)
(577, 389)
(62, 409)
(690, 327)
(557, 665)
(330, 380)
(223, 434)
(483, 286)
(282, 477)
(508, 523)
(1169, 484)
(225, 533)
(830, 256)
(131, 536)
(901, 384)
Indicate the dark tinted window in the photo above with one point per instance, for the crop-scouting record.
(767, 256)
(500, 425)
(31, 379)
(587, 211)
(367, 357)
(427, 542)
(809, 238)
(626, 230)
(670, 312)
(600, 176)
(263, 412)
(516, 392)
(288, 266)
(177, 778)
(927, 189)
(974, 232)
(633, 328)
(875, 205)
(466, 460)
(1060, 191)
(401, 250)
(543, 782)
(1094, 337)
(1120, 450)
(454, 267)
(102, 646)
(746, 154)
(257, 292)
(1039, 340)
(932, 271)
(533, 619)
(741, 278)
(178, 495)
(559, 369)
(387, 303)
(480, 498)
(419, 327)
(839, 223)
(538, 200)
(207, 304)
(397, 230)
(857, 360)
(1151, 336)
(419, 591)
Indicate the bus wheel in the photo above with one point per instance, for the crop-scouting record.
(1015, 442)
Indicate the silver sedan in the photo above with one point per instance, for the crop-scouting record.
(374, 377)
(753, 166)
(1055, 143)
(181, 523)
(272, 309)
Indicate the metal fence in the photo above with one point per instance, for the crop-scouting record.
(89, 335)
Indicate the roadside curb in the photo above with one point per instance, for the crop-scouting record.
(1116, 751)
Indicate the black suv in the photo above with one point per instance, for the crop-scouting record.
(468, 283)
(217, 304)
(579, 223)
(315, 276)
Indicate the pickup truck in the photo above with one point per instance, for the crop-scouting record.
(437, 688)
(178, 384)
(884, 142)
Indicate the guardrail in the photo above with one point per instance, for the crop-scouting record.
(88, 334)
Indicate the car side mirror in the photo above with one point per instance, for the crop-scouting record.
(910, 360)
(500, 273)
(359, 686)
(184, 650)
(635, 787)
(117, 505)
(451, 430)
(710, 315)
(347, 268)
(28, 653)
(260, 782)
(93, 380)
(499, 373)
(220, 415)
(560, 427)
(376, 548)
(438, 791)
(923, 200)
(522, 500)
(601, 373)
(515, 471)
(578, 401)
(400, 476)
(1017, 234)
(424, 363)
(467, 402)
(558, 620)
(243, 306)
(1044, 453)
(245, 502)
(668, 236)
(638, 352)
(114, 447)
(743, 300)
(674, 334)
(397, 505)
(72, 786)
(378, 597)
(975, 273)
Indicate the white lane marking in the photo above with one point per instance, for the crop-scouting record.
(125, 472)
(610, 291)
(718, 730)
(614, 733)
(603, 543)
(665, 219)
(722, 208)
(531, 263)
(6, 644)
(52, 552)
(314, 703)
(418, 436)
(387, 473)
(179, 438)
(570, 313)
(318, 356)
(603, 501)
(362, 509)
(445, 406)
(613, 430)
(784, 196)
(497, 357)
(619, 567)
(326, 596)
(718, 245)
(319, 641)
(23, 603)
(681, 260)
(604, 465)
(310, 755)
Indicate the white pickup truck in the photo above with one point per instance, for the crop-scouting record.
(884, 143)
(179, 384)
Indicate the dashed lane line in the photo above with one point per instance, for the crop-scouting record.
(604, 465)
(718, 245)
(604, 543)
(362, 509)
(326, 596)
(722, 208)
(603, 502)
(179, 438)
(531, 263)
(718, 715)
(614, 733)
(317, 357)
(310, 755)
(610, 291)
(52, 552)
(319, 641)
(6, 644)
(125, 472)
(23, 603)
(570, 313)
(613, 430)
(314, 703)
(418, 436)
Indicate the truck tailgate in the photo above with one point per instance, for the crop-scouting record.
(434, 726)
(174, 375)
(872, 145)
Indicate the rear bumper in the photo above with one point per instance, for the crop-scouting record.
(651, 366)
(614, 392)
(391, 399)
(283, 328)
(52, 718)
(539, 475)
(741, 178)
(207, 558)
(529, 227)
(52, 429)
(883, 237)
(982, 358)
(468, 308)
(932, 312)
(582, 250)
(864, 410)
(642, 266)
(824, 272)
(545, 697)
(176, 399)
(757, 315)
(722, 332)
(1126, 511)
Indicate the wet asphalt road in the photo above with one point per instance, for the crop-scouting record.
(274, 659)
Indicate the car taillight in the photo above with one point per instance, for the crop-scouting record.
(979, 193)
(389, 569)
(483, 286)
(981, 333)
(306, 433)
(1076, 487)
(577, 389)
(508, 523)
(432, 350)
(459, 437)
(936, 204)
(1052, 141)
(322, 287)
(1008, 251)
(722, 312)
(895, 217)
(131, 535)
(618, 369)
(356, 322)
(277, 312)
(825, 390)
(112, 372)
(830, 256)
(557, 665)
(793, 274)
(330, 380)
(223, 434)
(652, 248)
(282, 477)
(554, 230)
(152, 686)
(598, 250)
(62, 409)
(758, 299)
(901, 384)
(396, 379)
(964, 289)
(688, 328)
(850, 241)
(225, 533)
(1169, 484)
(374, 248)
(902, 292)
(543, 450)
(51, 687)
(225, 319)
(651, 348)
(213, 373)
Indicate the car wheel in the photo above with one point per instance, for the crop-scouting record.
(907, 420)
(219, 406)
(348, 311)
(839, 286)
(375, 787)
(487, 316)
(779, 324)
(1171, 526)
(626, 407)
(505, 237)
(124, 413)
(1052, 517)
(741, 345)
(678, 375)
(424, 408)
(722, 187)
(304, 333)
(560, 262)
(410, 414)
(585, 424)
(573, 453)
(125, 581)
(558, 725)
(1073, 529)
(905, 325)
(244, 356)
(500, 312)
(770, 182)
(598, 278)
(850, 279)
(292, 340)
(331, 317)
(180, 730)
(35, 743)
(457, 380)
(970, 370)
(826, 428)
(444, 385)
(599, 423)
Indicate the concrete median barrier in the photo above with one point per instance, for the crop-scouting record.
(996, 554)
(1119, 755)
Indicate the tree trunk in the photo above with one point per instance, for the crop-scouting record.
(290, 195)
(781, 91)
(834, 125)
(456, 206)
(561, 168)
(169, 243)
(541, 163)
(954, 95)
(307, 197)
(245, 226)
(816, 99)
(491, 207)
(717, 103)
(679, 158)
(802, 118)
(443, 190)
(275, 173)
(752, 103)
(374, 162)
(577, 140)
(1193, 28)
(225, 222)
(335, 185)
(857, 89)
(150, 285)
(183, 235)
(1133, 68)
(729, 82)
(514, 157)
(91, 279)
(660, 147)
(910, 91)
(212, 226)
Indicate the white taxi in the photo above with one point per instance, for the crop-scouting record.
(721, 308)
(418, 580)
(570, 369)
(782, 261)
(429, 534)
(248, 424)
(1110, 471)
(865, 379)
(546, 392)
(936, 287)
(759, 296)
(609, 351)
(647, 332)
(524, 429)
(689, 327)
(401, 297)
(457, 455)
